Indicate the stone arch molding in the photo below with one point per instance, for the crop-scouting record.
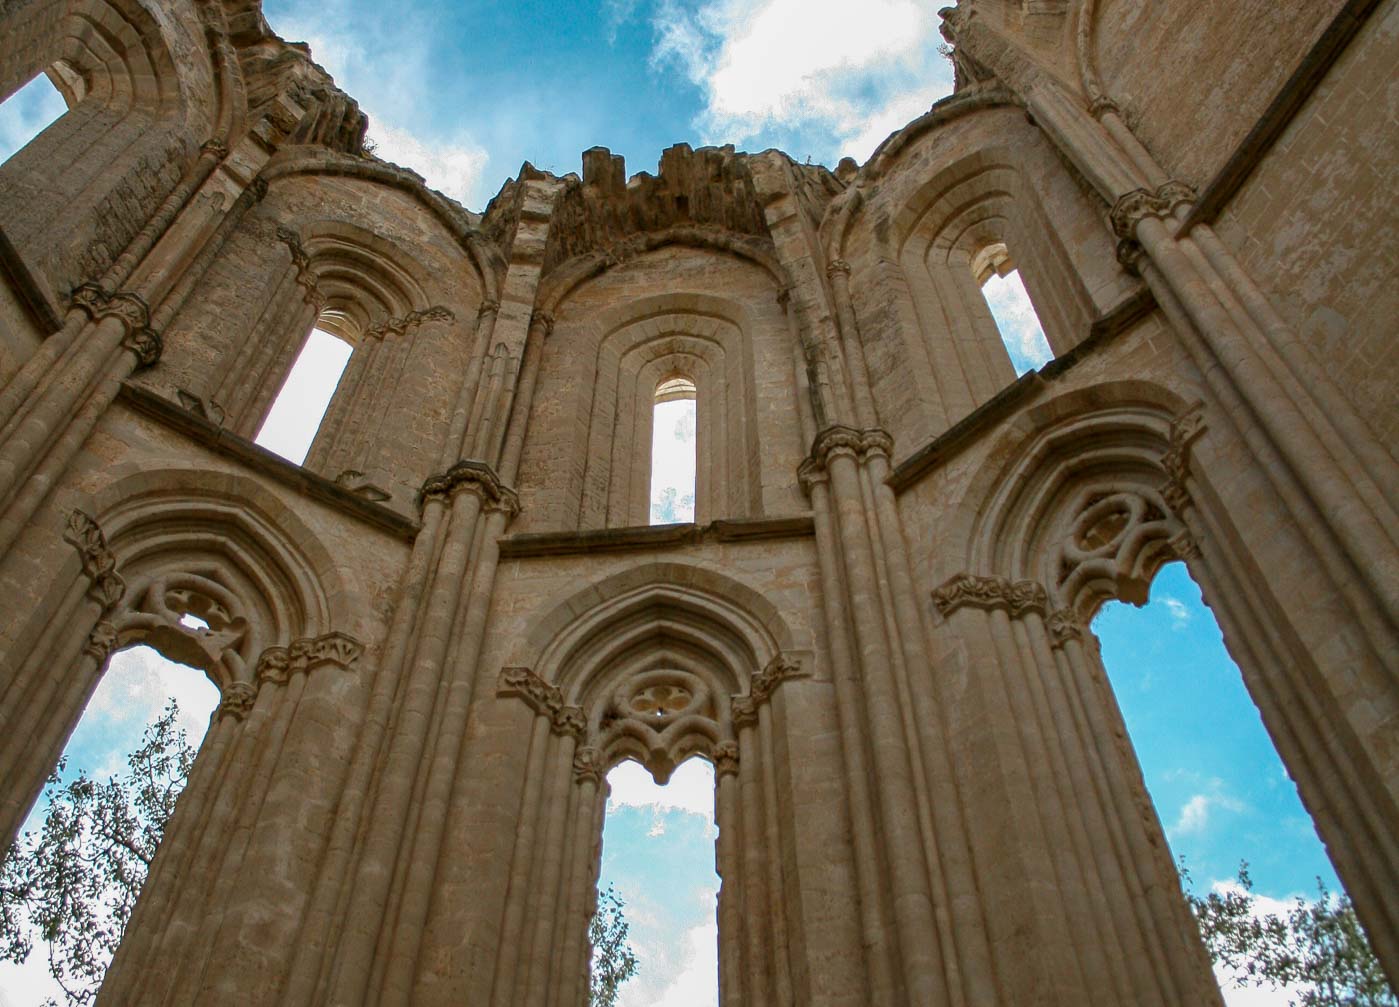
(147, 551)
(656, 664)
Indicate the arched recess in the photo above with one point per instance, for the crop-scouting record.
(373, 293)
(916, 227)
(656, 664)
(1089, 495)
(729, 346)
(148, 549)
(76, 195)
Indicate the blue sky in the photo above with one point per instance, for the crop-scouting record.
(463, 93)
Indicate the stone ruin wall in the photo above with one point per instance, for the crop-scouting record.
(434, 638)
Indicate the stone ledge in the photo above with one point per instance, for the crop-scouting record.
(666, 536)
(224, 442)
(1118, 319)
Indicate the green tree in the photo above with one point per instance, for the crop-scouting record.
(1317, 947)
(613, 961)
(72, 884)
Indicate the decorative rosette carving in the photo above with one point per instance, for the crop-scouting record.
(1063, 627)
(1014, 596)
(99, 563)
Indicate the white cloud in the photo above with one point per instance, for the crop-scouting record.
(691, 789)
(695, 984)
(1180, 614)
(1019, 325)
(1195, 813)
(1237, 993)
(807, 65)
(377, 65)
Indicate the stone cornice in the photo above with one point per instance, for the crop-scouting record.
(470, 476)
(1017, 597)
(277, 664)
(410, 322)
(544, 699)
(651, 537)
(105, 585)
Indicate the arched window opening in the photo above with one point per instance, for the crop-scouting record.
(658, 856)
(118, 745)
(27, 113)
(1218, 783)
(296, 413)
(1010, 306)
(673, 452)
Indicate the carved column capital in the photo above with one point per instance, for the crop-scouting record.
(761, 686)
(488, 307)
(471, 477)
(1102, 105)
(1185, 430)
(214, 148)
(586, 765)
(145, 344)
(277, 664)
(106, 586)
(128, 308)
(544, 320)
(101, 642)
(838, 440)
(724, 755)
(1063, 626)
(837, 267)
(1137, 205)
(237, 701)
(544, 699)
(1017, 597)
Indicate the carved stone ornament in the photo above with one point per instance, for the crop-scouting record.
(101, 642)
(357, 483)
(488, 307)
(586, 765)
(277, 664)
(1063, 627)
(836, 440)
(207, 408)
(214, 148)
(1014, 596)
(761, 687)
(237, 701)
(410, 322)
(1185, 431)
(471, 477)
(544, 699)
(99, 563)
(146, 344)
(1185, 547)
(544, 320)
(128, 308)
(305, 275)
(837, 266)
(1133, 207)
(724, 755)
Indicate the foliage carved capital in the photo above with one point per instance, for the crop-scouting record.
(724, 756)
(278, 664)
(1017, 597)
(145, 344)
(1185, 430)
(105, 586)
(410, 322)
(1137, 205)
(130, 309)
(544, 699)
(587, 765)
(1063, 626)
(237, 701)
(101, 642)
(471, 477)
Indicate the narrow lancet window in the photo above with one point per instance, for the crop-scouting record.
(658, 876)
(27, 113)
(673, 452)
(1011, 308)
(297, 412)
